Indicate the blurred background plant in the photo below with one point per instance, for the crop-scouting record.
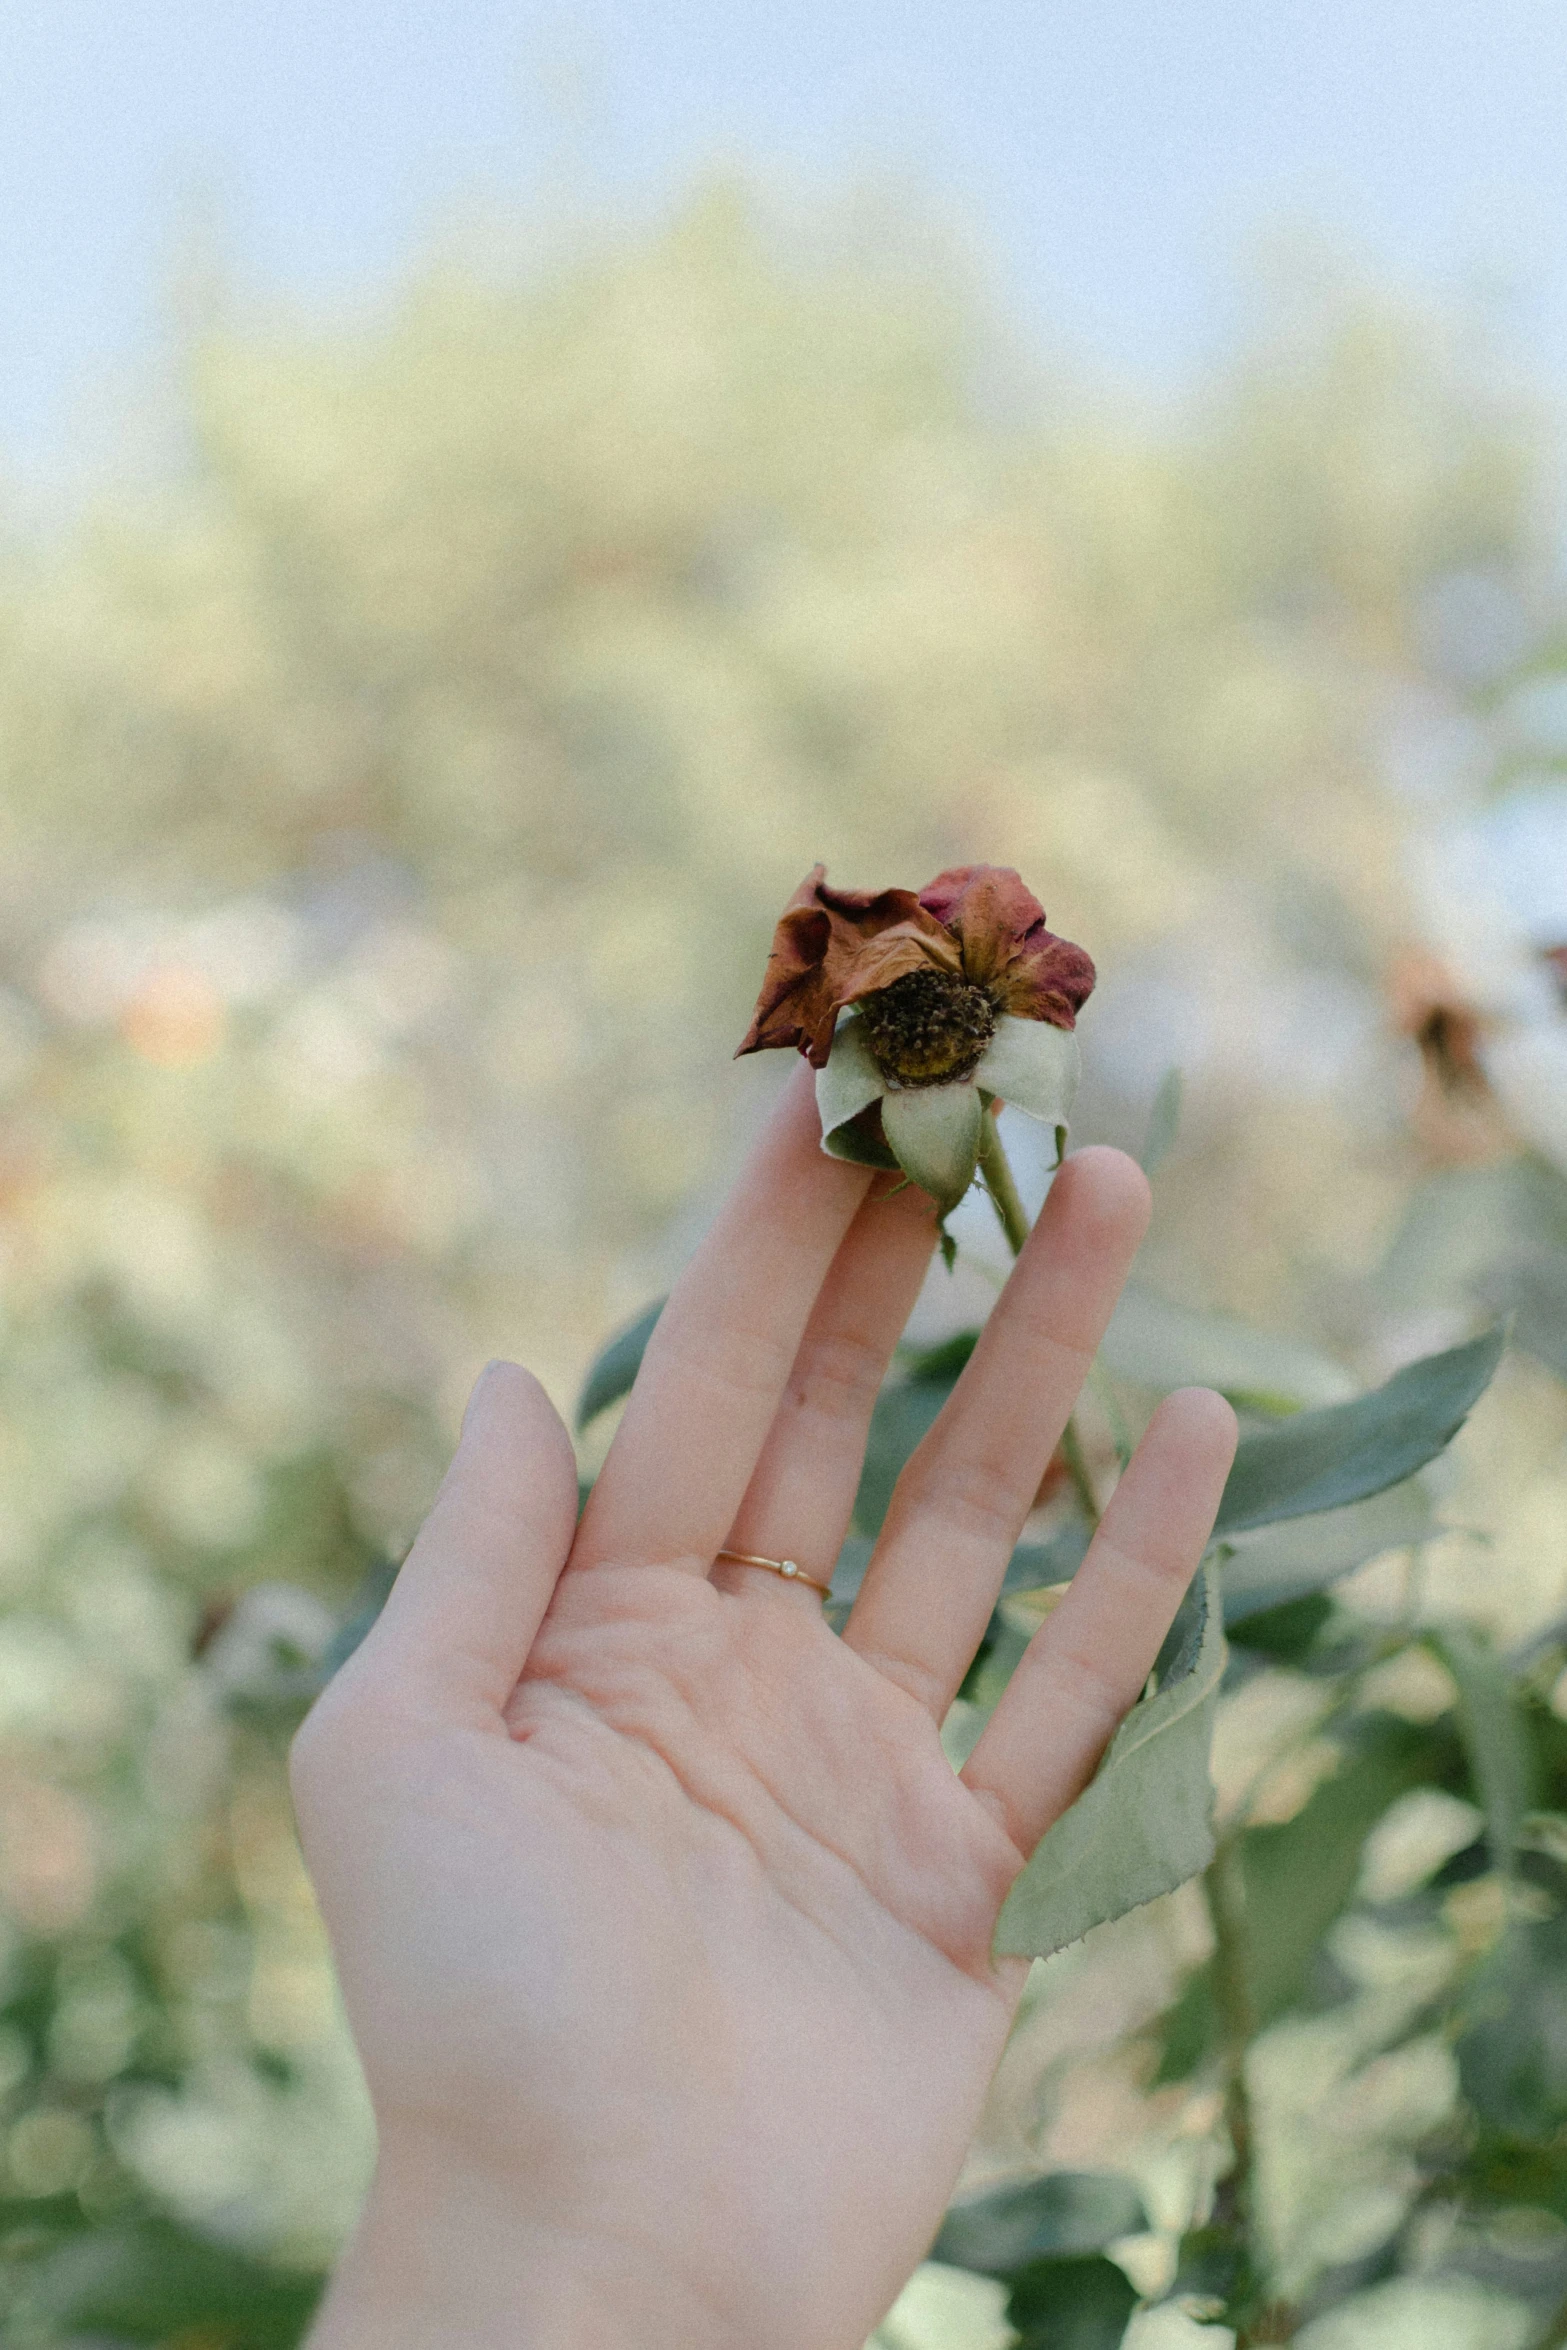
(394, 817)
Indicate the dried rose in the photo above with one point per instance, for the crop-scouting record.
(917, 1011)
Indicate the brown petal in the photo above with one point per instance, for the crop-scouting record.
(1000, 927)
(831, 947)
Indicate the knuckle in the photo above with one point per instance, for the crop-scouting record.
(1144, 1570)
(973, 1497)
(745, 1362)
(1096, 1692)
(838, 1378)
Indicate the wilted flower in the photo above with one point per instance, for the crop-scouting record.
(1457, 1115)
(1432, 1010)
(1491, 894)
(917, 1011)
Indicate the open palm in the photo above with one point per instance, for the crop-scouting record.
(663, 1921)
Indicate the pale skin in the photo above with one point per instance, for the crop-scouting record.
(663, 1921)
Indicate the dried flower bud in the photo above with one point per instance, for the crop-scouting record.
(917, 1011)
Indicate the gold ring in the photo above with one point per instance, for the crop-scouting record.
(785, 1567)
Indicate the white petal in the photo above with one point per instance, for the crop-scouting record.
(934, 1133)
(1033, 1066)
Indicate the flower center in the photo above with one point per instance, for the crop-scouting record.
(928, 1028)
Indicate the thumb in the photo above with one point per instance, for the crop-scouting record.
(471, 1594)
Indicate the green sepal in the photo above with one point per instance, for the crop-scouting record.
(933, 1132)
(851, 1080)
(1032, 1065)
(1163, 1123)
(859, 1142)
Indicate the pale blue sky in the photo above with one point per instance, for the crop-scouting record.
(1114, 158)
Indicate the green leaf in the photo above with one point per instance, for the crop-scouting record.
(1270, 1565)
(375, 1588)
(148, 2280)
(1512, 2054)
(1034, 1564)
(1186, 2030)
(1063, 2212)
(904, 1412)
(1033, 1066)
(933, 1132)
(1071, 2305)
(1425, 2313)
(944, 1360)
(1493, 1237)
(615, 1366)
(1143, 1825)
(1288, 1633)
(849, 1573)
(1491, 1725)
(1159, 1344)
(943, 2308)
(1301, 1873)
(1163, 1123)
(1326, 1459)
(1504, 2168)
(1031, 1565)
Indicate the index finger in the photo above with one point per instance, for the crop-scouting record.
(716, 1365)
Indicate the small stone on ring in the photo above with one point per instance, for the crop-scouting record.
(790, 1569)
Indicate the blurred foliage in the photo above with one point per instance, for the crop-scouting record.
(394, 810)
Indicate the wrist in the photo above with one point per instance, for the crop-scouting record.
(449, 2259)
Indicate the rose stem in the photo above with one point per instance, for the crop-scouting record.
(996, 1169)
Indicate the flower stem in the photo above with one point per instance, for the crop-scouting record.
(1120, 1434)
(1077, 1470)
(1005, 1198)
(1258, 2318)
(1224, 1890)
(996, 1168)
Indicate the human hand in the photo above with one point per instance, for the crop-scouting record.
(663, 1921)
